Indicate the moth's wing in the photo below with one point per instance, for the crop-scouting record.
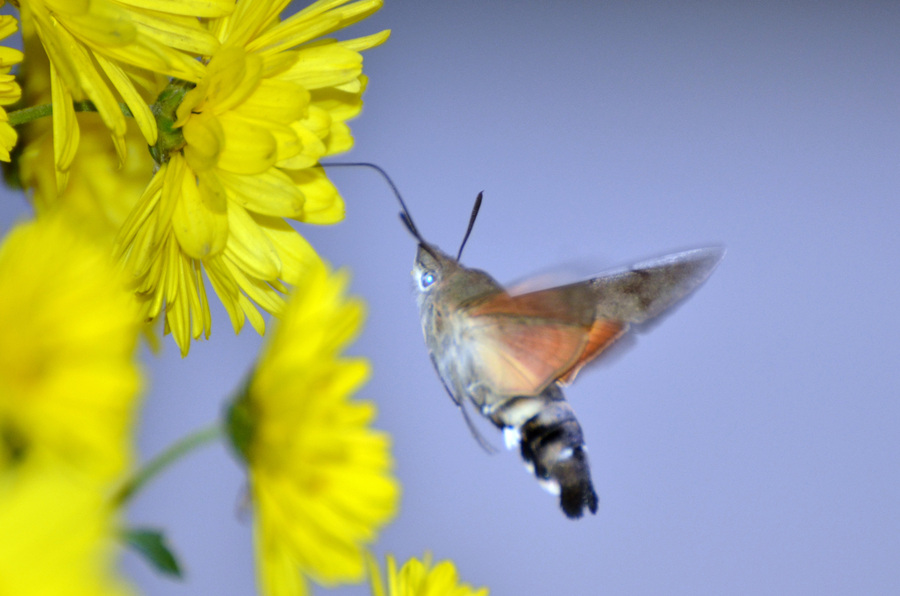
(647, 289)
(523, 343)
(520, 344)
(601, 335)
(637, 295)
(515, 358)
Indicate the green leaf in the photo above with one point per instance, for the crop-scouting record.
(152, 545)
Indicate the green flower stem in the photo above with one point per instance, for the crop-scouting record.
(26, 115)
(172, 454)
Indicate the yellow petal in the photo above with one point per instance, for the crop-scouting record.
(247, 20)
(9, 56)
(253, 315)
(249, 247)
(178, 312)
(182, 33)
(139, 108)
(205, 141)
(275, 64)
(202, 312)
(278, 572)
(311, 148)
(322, 203)
(269, 193)
(316, 20)
(317, 121)
(8, 138)
(278, 100)
(226, 289)
(233, 76)
(92, 83)
(258, 291)
(65, 128)
(249, 148)
(199, 221)
(191, 8)
(8, 25)
(191, 293)
(324, 66)
(291, 33)
(339, 139)
(364, 43)
(308, 151)
(104, 30)
(168, 200)
(298, 258)
(340, 105)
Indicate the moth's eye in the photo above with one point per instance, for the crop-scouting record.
(426, 280)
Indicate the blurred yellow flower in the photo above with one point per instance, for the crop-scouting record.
(241, 159)
(56, 536)
(100, 193)
(100, 49)
(418, 578)
(68, 379)
(9, 89)
(320, 476)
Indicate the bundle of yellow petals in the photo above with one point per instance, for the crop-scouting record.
(68, 380)
(420, 578)
(57, 536)
(237, 152)
(9, 89)
(100, 50)
(320, 476)
(68, 395)
(236, 141)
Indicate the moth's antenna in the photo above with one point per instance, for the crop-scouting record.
(405, 217)
(472, 217)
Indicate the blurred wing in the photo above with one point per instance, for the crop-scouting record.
(640, 294)
(602, 334)
(648, 289)
(516, 358)
(521, 344)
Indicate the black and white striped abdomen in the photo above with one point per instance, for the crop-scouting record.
(550, 440)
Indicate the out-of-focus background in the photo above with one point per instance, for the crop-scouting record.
(749, 443)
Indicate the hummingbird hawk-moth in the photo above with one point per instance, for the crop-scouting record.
(509, 354)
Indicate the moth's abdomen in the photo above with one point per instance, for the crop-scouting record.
(552, 445)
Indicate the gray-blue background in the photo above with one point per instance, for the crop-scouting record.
(748, 444)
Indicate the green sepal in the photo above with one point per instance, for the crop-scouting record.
(169, 138)
(240, 422)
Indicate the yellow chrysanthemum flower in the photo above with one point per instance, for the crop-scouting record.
(248, 136)
(56, 536)
(100, 49)
(9, 89)
(320, 476)
(418, 578)
(68, 380)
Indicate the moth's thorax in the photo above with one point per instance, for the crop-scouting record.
(442, 308)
